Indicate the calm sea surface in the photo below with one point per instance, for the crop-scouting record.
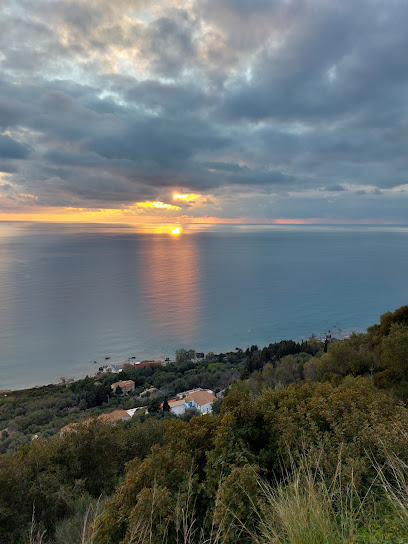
(72, 294)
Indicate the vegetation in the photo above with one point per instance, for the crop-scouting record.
(309, 446)
(43, 411)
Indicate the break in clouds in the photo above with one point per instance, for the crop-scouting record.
(264, 108)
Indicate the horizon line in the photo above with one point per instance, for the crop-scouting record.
(211, 221)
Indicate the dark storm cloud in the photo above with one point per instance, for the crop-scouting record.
(105, 103)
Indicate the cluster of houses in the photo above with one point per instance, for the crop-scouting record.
(198, 399)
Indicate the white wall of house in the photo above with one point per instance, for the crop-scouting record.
(206, 408)
(178, 410)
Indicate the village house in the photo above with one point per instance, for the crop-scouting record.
(177, 407)
(125, 385)
(200, 399)
(116, 415)
(112, 417)
(185, 393)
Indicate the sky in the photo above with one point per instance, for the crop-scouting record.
(241, 111)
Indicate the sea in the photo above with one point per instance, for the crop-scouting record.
(72, 295)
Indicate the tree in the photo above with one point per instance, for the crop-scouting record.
(191, 353)
(394, 352)
(182, 355)
(118, 391)
(166, 406)
(154, 405)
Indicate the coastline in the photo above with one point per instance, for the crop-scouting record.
(80, 376)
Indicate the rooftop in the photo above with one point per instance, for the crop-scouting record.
(123, 383)
(201, 397)
(114, 416)
(175, 402)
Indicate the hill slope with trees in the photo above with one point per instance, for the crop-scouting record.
(310, 445)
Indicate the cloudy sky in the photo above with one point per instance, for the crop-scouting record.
(204, 110)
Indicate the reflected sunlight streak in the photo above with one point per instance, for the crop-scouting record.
(171, 278)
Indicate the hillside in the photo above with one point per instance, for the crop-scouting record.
(309, 445)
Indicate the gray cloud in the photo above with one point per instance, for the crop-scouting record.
(334, 188)
(107, 103)
(10, 149)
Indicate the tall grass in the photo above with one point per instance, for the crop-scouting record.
(36, 534)
(393, 476)
(307, 508)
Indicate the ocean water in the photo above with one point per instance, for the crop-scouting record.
(74, 294)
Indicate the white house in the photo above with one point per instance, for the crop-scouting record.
(177, 407)
(201, 401)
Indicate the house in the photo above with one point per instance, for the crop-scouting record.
(185, 393)
(116, 415)
(177, 407)
(198, 357)
(112, 417)
(115, 368)
(70, 428)
(201, 401)
(125, 385)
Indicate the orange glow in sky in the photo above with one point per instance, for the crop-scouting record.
(136, 214)
(157, 204)
(190, 197)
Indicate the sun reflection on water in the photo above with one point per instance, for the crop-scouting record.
(171, 279)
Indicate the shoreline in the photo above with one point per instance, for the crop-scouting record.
(346, 334)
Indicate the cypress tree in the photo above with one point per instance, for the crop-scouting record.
(166, 406)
